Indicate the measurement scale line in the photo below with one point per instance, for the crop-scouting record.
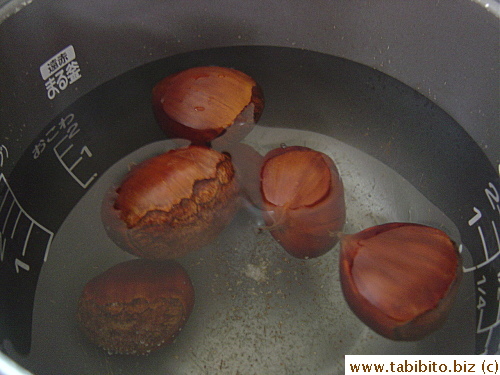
(32, 223)
(66, 151)
(480, 321)
(5, 196)
(491, 259)
(60, 156)
(75, 177)
(483, 241)
(3, 243)
(15, 225)
(493, 224)
(69, 169)
(27, 238)
(2, 178)
(7, 217)
(47, 248)
(498, 313)
(490, 327)
(86, 184)
(487, 261)
(487, 343)
(73, 166)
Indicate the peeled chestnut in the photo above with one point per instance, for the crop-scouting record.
(173, 203)
(136, 307)
(400, 279)
(201, 103)
(303, 200)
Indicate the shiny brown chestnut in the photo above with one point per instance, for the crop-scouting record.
(201, 103)
(303, 200)
(173, 203)
(400, 279)
(136, 307)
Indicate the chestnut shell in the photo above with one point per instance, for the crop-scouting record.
(136, 307)
(410, 293)
(173, 203)
(303, 200)
(201, 103)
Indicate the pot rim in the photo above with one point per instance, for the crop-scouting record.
(9, 8)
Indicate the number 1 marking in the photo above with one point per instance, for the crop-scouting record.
(20, 263)
(482, 281)
(476, 217)
(84, 151)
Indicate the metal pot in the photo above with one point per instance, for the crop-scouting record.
(403, 96)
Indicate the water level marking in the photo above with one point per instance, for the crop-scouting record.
(483, 241)
(7, 217)
(15, 225)
(85, 151)
(487, 328)
(488, 341)
(22, 213)
(27, 239)
(61, 155)
(3, 200)
(20, 264)
(3, 243)
(476, 217)
(493, 224)
(486, 250)
(4, 154)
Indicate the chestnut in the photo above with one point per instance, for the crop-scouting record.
(303, 200)
(201, 103)
(173, 203)
(136, 307)
(400, 279)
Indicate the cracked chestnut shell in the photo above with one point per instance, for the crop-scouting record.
(400, 279)
(303, 200)
(136, 307)
(173, 203)
(201, 103)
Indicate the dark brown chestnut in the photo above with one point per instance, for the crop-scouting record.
(303, 200)
(173, 203)
(201, 103)
(400, 279)
(136, 307)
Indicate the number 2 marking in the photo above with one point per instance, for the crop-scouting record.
(493, 196)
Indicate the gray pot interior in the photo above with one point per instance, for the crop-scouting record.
(403, 96)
